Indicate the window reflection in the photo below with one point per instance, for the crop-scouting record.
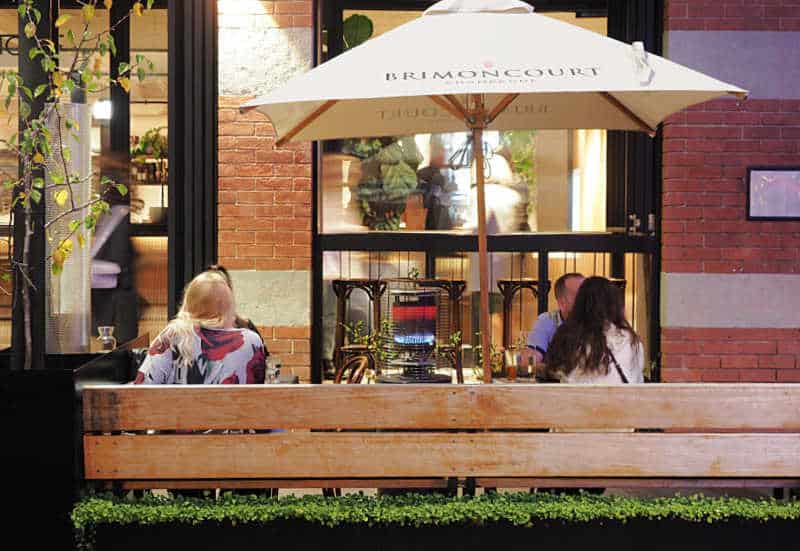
(552, 181)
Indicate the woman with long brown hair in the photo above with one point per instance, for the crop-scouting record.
(596, 344)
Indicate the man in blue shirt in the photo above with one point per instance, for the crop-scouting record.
(566, 288)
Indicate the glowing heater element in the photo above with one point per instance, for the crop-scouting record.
(414, 318)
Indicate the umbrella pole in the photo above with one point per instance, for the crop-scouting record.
(483, 254)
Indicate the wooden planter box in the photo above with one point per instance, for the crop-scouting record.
(634, 535)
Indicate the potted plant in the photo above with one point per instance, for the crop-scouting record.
(153, 145)
(369, 344)
(518, 147)
(387, 179)
(387, 165)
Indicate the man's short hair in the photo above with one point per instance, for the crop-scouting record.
(561, 283)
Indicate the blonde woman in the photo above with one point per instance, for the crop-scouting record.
(202, 345)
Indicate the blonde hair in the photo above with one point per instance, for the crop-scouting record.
(207, 302)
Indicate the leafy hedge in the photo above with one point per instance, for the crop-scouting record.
(420, 510)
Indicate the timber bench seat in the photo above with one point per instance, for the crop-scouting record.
(409, 436)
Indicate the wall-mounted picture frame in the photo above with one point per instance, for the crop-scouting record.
(773, 193)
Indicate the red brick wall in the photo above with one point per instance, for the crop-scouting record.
(264, 194)
(733, 15)
(292, 345)
(730, 355)
(706, 151)
(264, 213)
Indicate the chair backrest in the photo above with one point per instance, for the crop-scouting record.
(353, 370)
(713, 431)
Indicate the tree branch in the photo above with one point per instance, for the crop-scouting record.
(73, 210)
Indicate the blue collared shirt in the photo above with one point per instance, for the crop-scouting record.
(543, 330)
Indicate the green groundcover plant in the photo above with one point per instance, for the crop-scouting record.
(419, 510)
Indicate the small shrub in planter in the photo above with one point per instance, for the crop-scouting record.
(251, 522)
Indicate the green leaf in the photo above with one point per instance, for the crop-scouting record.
(27, 91)
(66, 152)
(123, 68)
(139, 59)
(38, 182)
(74, 225)
(90, 222)
(356, 29)
(141, 73)
(63, 19)
(122, 189)
(37, 15)
(112, 45)
(58, 178)
(30, 29)
(36, 195)
(150, 4)
(33, 52)
(39, 90)
(61, 197)
(71, 37)
(87, 11)
(103, 48)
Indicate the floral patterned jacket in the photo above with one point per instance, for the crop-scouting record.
(221, 356)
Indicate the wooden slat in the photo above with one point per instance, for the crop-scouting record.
(749, 407)
(377, 455)
(286, 483)
(447, 106)
(299, 127)
(643, 126)
(637, 482)
(500, 107)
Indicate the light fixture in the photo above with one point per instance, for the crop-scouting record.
(102, 110)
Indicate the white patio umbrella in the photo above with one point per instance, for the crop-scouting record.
(484, 65)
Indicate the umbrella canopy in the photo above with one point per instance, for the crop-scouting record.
(566, 77)
(484, 65)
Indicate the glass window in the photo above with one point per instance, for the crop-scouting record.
(9, 28)
(129, 144)
(128, 137)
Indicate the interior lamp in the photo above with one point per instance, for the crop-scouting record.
(101, 110)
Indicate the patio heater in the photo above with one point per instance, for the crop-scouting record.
(408, 346)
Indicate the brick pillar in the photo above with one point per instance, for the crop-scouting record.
(729, 295)
(264, 192)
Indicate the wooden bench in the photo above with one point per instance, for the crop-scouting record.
(361, 436)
